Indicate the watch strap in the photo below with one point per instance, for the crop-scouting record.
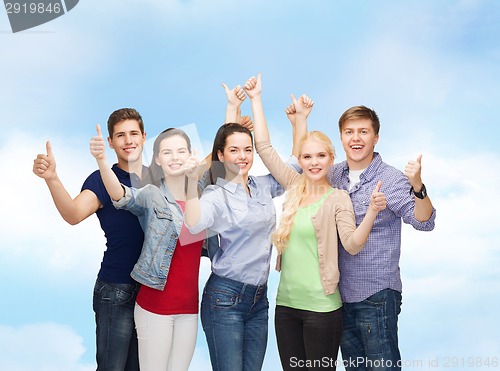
(421, 194)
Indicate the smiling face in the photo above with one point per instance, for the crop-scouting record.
(315, 159)
(127, 141)
(358, 139)
(172, 155)
(237, 155)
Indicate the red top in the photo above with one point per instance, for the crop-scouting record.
(180, 295)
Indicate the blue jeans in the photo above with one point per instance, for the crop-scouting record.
(235, 317)
(116, 338)
(370, 335)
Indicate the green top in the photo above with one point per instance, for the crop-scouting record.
(300, 283)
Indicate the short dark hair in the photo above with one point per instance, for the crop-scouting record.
(360, 112)
(123, 114)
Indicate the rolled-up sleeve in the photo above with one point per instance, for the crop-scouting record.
(426, 226)
(206, 217)
(401, 201)
(123, 202)
(208, 210)
(135, 200)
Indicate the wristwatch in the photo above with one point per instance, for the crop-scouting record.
(422, 194)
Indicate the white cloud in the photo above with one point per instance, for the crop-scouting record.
(466, 238)
(449, 273)
(46, 69)
(41, 347)
(32, 230)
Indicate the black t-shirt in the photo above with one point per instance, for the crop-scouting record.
(121, 228)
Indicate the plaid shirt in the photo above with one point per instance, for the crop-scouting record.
(376, 267)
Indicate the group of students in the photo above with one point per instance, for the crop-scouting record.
(338, 242)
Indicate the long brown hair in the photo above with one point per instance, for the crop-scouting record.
(155, 173)
(217, 169)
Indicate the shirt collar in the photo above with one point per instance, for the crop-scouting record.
(120, 172)
(233, 187)
(370, 171)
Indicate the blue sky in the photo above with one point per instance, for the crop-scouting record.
(431, 69)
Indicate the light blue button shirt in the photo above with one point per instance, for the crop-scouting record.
(245, 224)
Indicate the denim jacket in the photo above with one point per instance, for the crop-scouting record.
(161, 219)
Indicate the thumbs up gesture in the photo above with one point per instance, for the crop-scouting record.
(378, 202)
(253, 86)
(413, 173)
(44, 165)
(192, 165)
(97, 146)
(235, 96)
(302, 106)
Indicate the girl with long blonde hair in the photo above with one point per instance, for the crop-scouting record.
(297, 191)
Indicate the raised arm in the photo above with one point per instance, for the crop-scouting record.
(73, 211)
(192, 211)
(235, 97)
(297, 113)
(423, 206)
(109, 178)
(253, 88)
(281, 172)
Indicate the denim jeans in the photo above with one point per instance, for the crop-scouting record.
(116, 338)
(370, 336)
(307, 340)
(235, 317)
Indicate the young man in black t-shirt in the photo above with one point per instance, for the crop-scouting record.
(115, 290)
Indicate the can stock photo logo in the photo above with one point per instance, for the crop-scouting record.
(24, 15)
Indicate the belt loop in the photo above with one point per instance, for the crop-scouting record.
(242, 293)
